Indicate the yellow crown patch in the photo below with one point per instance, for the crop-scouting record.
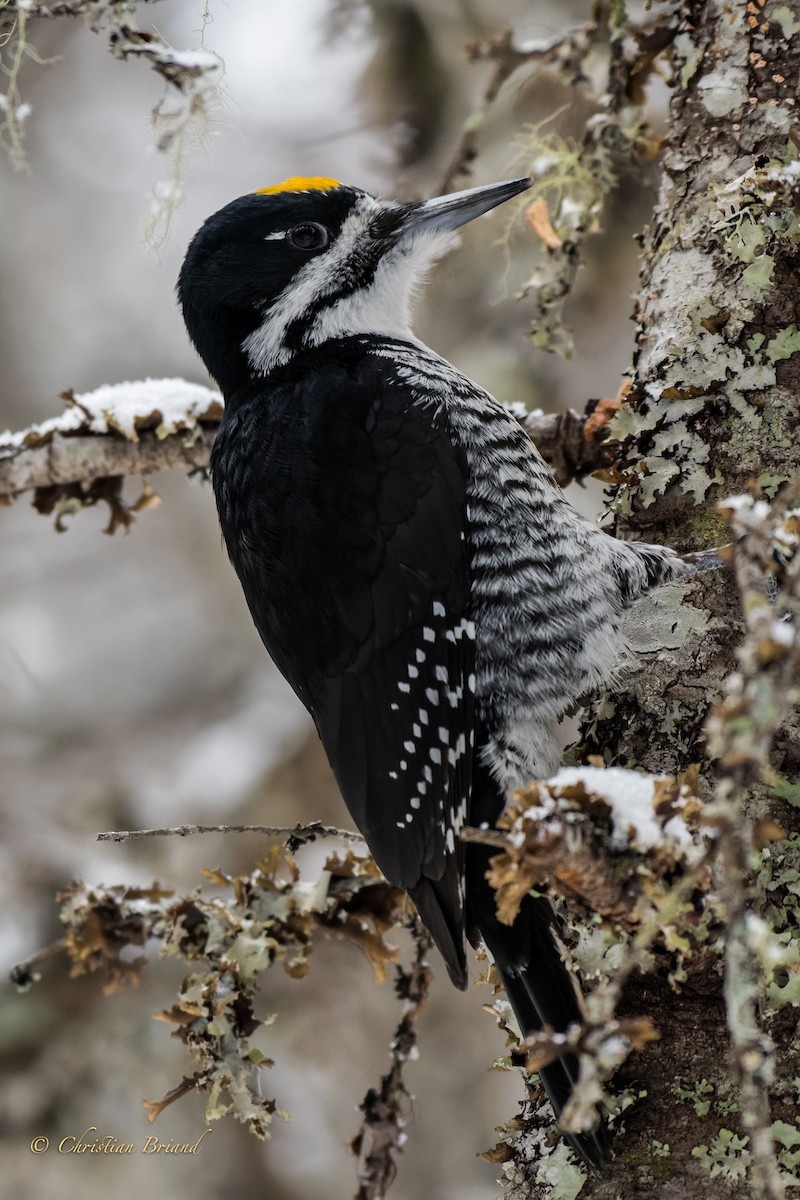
(298, 184)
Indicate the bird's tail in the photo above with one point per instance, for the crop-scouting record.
(539, 987)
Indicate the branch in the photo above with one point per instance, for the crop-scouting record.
(758, 698)
(227, 940)
(297, 834)
(382, 1131)
(135, 429)
(23, 974)
(63, 461)
(573, 444)
(119, 430)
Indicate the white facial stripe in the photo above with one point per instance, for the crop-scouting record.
(386, 305)
(274, 237)
(265, 346)
(382, 307)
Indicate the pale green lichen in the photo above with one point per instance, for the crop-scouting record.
(785, 343)
(759, 276)
(786, 19)
(659, 1149)
(687, 50)
(727, 1157)
(662, 621)
(787, 1138)
(565, 1178)
(704, 352)
(573, 179)
(538, 1167)
(706, 1097)
(771, 481)
(773, 935)
(724, 91)
(698, 1095)
(788, 791)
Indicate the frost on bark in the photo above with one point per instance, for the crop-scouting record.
(712, 412)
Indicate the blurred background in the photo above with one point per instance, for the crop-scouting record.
(133, 688)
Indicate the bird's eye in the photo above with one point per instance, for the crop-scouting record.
(310, 236)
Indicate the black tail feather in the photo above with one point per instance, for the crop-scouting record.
(444, 920)
(539, 987)
(559, 1078)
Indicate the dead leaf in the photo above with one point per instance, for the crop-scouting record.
(538, 218)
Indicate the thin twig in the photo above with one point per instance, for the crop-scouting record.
(21, 975)
(382, 1131)
(507, 58)
(296, 833)
(68, 460)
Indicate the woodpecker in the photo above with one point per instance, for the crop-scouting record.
(409, 562)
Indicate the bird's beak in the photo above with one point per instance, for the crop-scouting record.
(447, 213)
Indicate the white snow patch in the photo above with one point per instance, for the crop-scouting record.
(203, 60)
(631, 797)
(750, 513)
(119, 407)
(782, 633)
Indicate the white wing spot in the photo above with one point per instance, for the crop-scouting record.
(439, 609)
(413, 672)
(414, 802)
(404, 687)
(420, 656)
(428, 634)
(431, 696)
(409, 746)
(393, 775)
(435, 755)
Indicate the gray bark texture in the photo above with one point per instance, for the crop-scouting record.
(712, 413)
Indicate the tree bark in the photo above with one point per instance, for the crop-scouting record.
(712, 412)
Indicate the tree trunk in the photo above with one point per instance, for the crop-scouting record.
(713, 411)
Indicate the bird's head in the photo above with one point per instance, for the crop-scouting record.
(293, 265)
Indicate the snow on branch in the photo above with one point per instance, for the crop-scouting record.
(128, 429)
(631, 852)
(608, 840)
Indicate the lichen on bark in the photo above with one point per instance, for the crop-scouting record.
(711, 413)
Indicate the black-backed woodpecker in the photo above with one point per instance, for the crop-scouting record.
(409, 562)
